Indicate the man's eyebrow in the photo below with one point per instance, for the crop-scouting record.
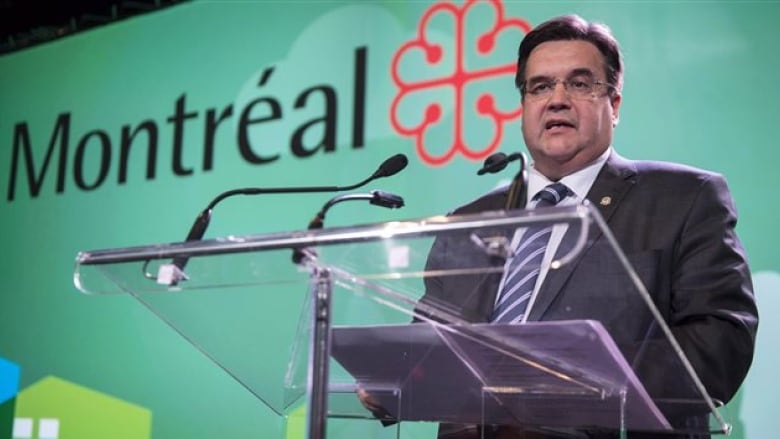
(581, 71)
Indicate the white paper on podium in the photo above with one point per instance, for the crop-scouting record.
(553, 374)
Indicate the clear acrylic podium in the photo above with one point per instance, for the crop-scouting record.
(396, 313)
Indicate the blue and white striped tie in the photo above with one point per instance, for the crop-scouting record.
(526, 262)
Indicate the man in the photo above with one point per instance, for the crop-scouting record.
(675, 224)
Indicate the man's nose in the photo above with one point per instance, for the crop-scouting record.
(560, 97)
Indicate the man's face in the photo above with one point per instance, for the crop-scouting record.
(564, 134)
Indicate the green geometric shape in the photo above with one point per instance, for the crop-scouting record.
(82, 413)
(295, 423)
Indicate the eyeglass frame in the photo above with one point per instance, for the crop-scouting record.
(566, 84)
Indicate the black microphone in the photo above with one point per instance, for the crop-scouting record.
(495, 163)
(390, 166)
(377, 198)
(518, 190)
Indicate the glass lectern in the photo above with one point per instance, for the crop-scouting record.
(387, 324)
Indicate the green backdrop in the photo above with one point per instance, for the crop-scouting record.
(121, 135)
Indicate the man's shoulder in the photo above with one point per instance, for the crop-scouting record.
(663, 167)
(662, 170)
(669, 181)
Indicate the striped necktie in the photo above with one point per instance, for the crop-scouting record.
(523, 270)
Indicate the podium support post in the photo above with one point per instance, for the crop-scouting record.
(322, 289)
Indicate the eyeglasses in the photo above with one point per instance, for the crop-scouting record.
(579, 88)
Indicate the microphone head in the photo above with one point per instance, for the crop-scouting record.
(494, 163)
(386, 199)
(391, 166)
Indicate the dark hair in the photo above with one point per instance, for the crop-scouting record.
(573, 27)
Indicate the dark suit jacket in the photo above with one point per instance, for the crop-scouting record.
(676, 226)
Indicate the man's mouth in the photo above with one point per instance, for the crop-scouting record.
(557, 124)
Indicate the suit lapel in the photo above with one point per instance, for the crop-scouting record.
(614, 181)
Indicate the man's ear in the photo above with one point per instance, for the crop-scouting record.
(616, 99)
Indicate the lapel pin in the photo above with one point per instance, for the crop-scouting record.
(606, 201)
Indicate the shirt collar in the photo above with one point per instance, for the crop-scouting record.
(579, 182)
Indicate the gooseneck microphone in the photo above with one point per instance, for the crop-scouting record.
(377, 198)
(390, 166)
(518, 190)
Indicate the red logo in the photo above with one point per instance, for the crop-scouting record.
(454, 81)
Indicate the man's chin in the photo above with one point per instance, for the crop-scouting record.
(559, 153)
